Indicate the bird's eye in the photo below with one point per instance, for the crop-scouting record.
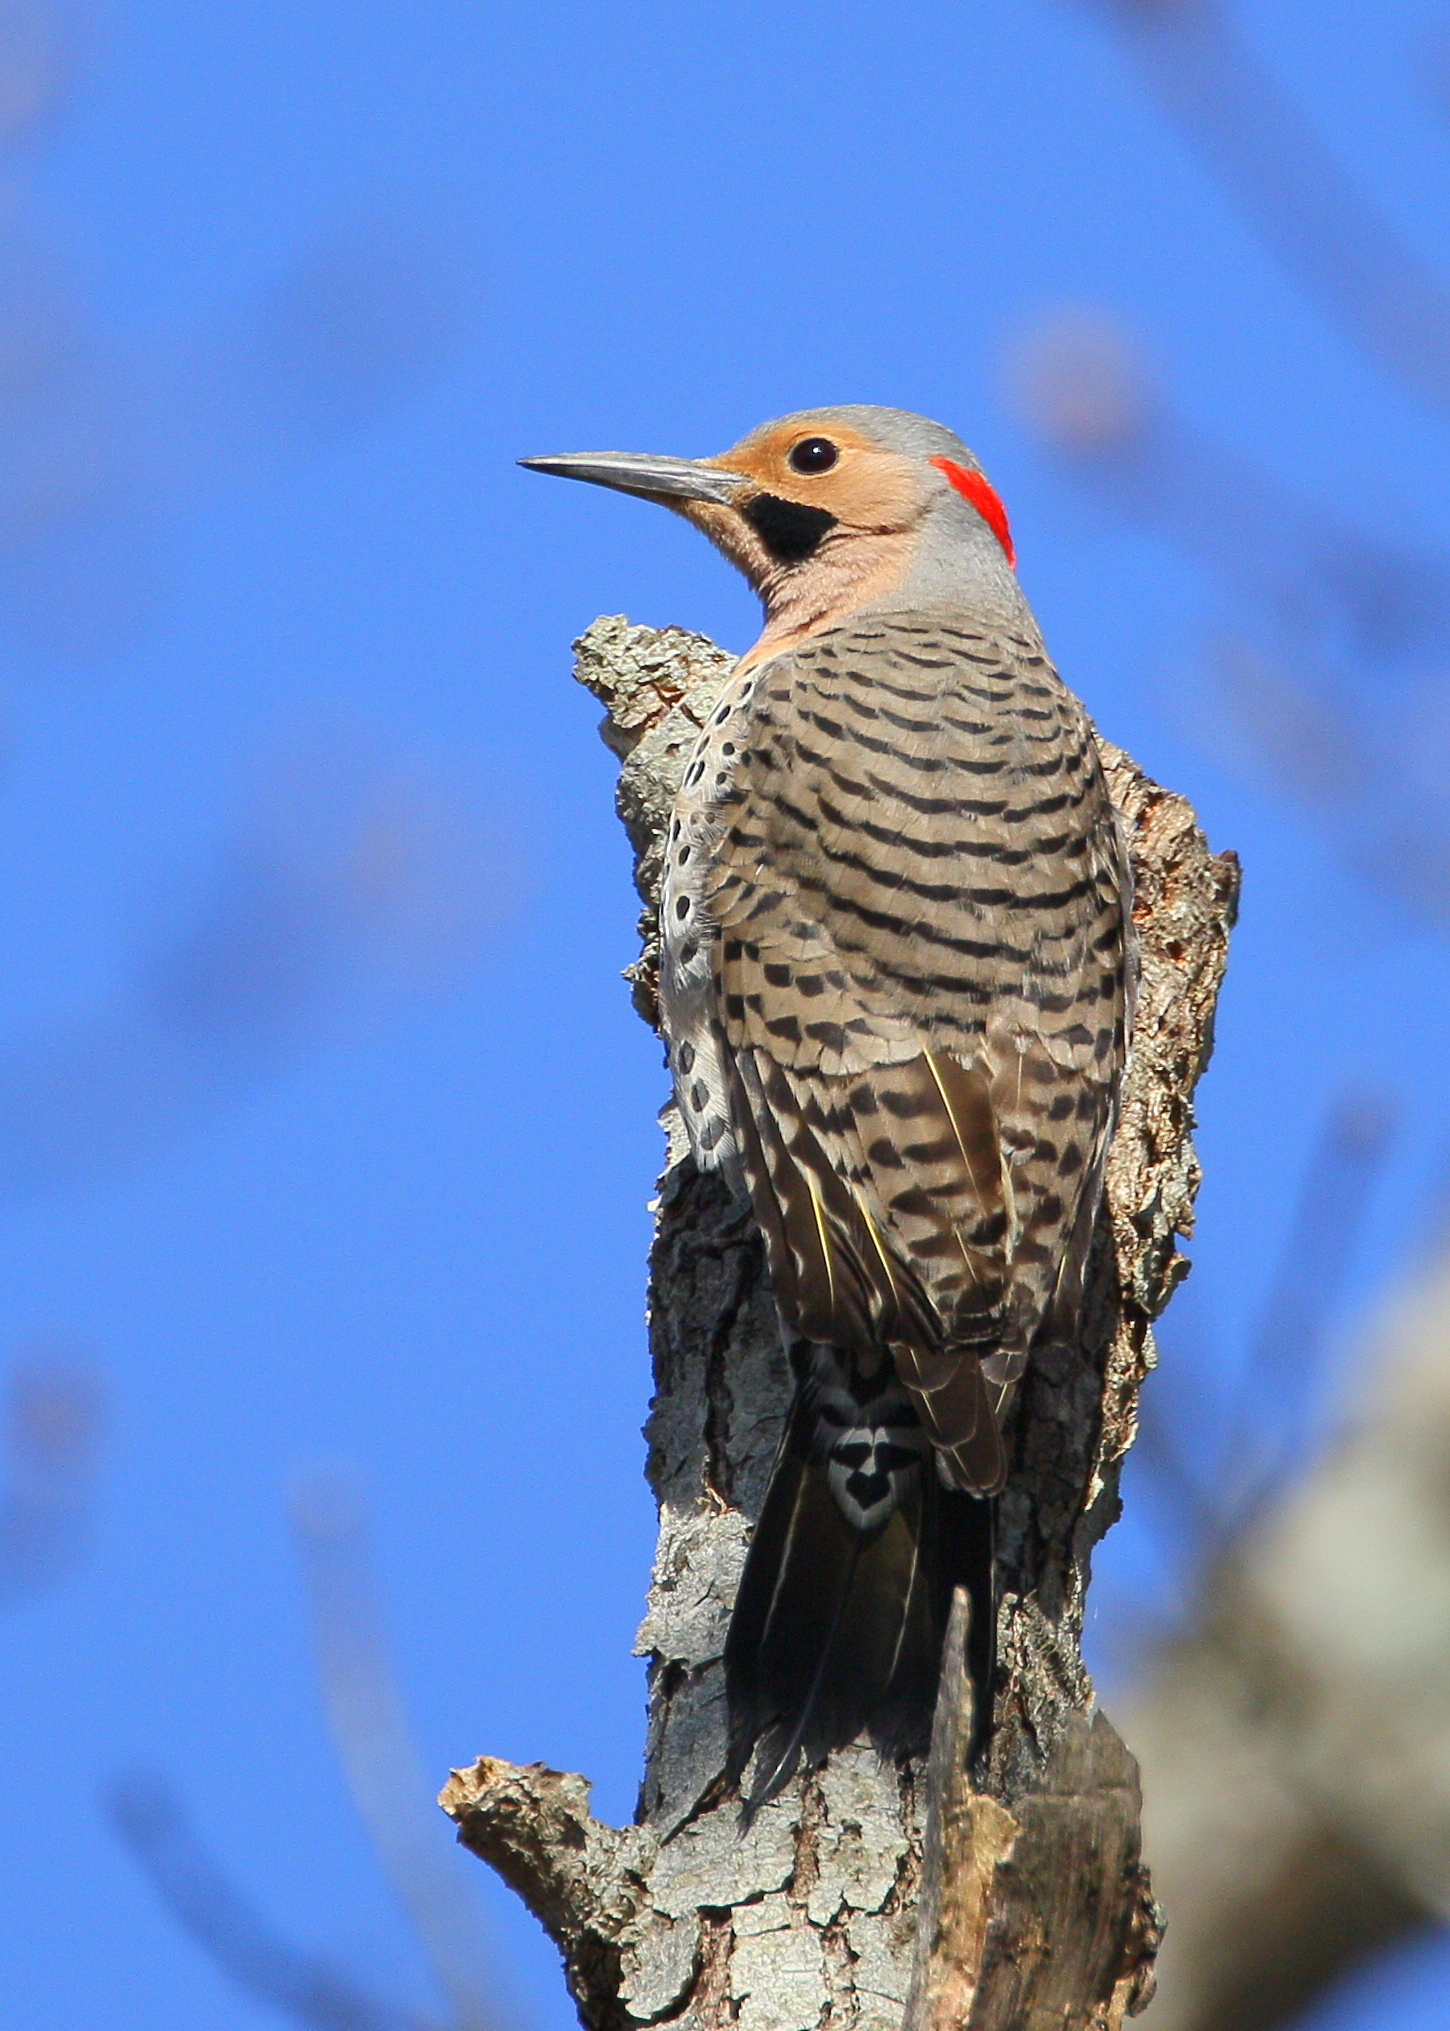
(813, 454)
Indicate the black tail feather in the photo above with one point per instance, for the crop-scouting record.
(836, 1630)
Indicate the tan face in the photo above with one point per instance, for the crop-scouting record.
(832, 468)
(826, 524)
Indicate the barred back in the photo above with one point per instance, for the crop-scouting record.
(896, 985)
(906, 906)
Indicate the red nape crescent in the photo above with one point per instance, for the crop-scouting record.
(973, 487)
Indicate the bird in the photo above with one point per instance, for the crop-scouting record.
(896, 985)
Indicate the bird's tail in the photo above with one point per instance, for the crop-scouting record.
(843, 1604)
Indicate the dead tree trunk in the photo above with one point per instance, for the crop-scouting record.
(1035, 1908)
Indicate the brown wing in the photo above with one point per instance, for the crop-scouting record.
(921, 974)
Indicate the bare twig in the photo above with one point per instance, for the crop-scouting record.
(1329, 237)
(369, 1726)
(1240, 1453)
(384, 1774)
(53, 1425)
(1337, 589)
(1285, 1357)
(1344, 619)
(201, 1897)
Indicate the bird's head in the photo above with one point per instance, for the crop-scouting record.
(831, 511)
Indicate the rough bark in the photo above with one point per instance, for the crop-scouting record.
(1041, 1912)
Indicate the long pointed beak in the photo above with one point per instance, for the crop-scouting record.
(632, 472)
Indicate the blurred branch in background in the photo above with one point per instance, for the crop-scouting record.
(104, 440)
(152, 1822)
(388, 1785)
(54, 1421)
(40, 46)
(1291, 186)
(363, 876)
(363, 864)
(369, 1724)
(1334, 678)
(378, 301)
(1295, 1739)
(1083, 387)
(1217, 1441)
(1295, 1731)
(1281, 1394)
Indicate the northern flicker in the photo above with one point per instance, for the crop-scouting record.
(896, 989)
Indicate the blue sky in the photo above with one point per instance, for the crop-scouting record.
(326, 1128)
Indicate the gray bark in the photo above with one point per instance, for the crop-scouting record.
(1039, 1910)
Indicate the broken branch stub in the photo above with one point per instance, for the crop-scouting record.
(1037, 1909)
